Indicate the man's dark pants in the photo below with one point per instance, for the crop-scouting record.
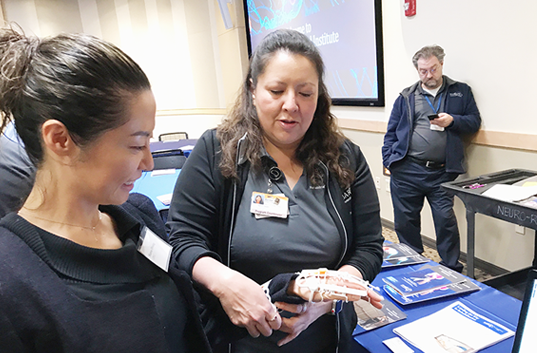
(410, 184)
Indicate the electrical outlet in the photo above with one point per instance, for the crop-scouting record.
(520, 229)
(377, 182)
(387, 182)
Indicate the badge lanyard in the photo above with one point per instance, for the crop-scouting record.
(431, 104)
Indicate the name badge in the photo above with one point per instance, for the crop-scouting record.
(436, 128)
(155, 248)
(269, 205)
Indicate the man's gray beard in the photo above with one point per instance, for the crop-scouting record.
(427, 84)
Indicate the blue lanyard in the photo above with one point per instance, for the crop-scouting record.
(431, 105)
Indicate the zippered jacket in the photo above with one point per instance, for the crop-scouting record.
(202, 214)
(459, 103)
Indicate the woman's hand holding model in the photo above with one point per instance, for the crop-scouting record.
(242, 299)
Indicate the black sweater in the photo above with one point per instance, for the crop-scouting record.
(42, 311)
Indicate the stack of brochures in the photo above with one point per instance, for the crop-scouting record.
(456, 328)
(397, 254)
(429, 282)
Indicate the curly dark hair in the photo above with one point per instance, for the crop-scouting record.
(322, 141)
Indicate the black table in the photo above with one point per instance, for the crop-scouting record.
(475, 202)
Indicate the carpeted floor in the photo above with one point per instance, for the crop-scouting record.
(432, 254)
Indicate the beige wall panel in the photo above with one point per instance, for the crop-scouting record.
(138, 17)
(202, 54)
(109, 22)
(24, 13)
(89, 15)
(58, 16)
(234, 63)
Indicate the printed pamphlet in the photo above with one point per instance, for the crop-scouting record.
(457, 285)
(370, 317)
(456, 328)
(398, 254)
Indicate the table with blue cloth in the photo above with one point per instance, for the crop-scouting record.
(157, 183)
(488, 301)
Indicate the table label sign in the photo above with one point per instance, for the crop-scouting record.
(514, 214)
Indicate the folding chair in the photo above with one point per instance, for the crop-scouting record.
(173, 159)
(173, 136)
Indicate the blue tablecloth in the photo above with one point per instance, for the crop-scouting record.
(156, 184)
(488, 301)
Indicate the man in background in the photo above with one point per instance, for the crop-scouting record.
(17, 172)
(423, 148)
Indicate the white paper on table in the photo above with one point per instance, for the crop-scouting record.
(165, 199)
(510, 193)
(455, 327)
(397, 345)
(159, 172)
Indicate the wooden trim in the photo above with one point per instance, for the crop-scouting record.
(363, 125)
(196, 111)
(506, 140)
(499, 139)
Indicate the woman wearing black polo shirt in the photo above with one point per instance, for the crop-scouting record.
(279, 141)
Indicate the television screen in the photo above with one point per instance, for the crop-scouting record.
(348, 34)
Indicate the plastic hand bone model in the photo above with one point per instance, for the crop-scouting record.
(333, 285)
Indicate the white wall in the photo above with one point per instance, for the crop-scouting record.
(491, 45)
(174, 41)
(194, 125)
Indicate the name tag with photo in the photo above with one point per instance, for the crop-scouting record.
(269, 205)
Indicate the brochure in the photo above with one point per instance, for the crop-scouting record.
(397, 254)
(370, 317)
(458, 285)
(456, 328)
(413, 282)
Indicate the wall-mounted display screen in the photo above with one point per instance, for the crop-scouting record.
(348, 34)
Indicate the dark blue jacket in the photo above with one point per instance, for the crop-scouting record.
(459, 103)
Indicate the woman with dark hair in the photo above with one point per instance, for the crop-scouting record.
(74, 271)
(279, 140)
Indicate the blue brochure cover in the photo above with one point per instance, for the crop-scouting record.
(458, 284)
(397, 254)
(417, 281)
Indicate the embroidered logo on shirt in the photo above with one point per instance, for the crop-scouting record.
(347, 195)
(317, 187)
(456, 94)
